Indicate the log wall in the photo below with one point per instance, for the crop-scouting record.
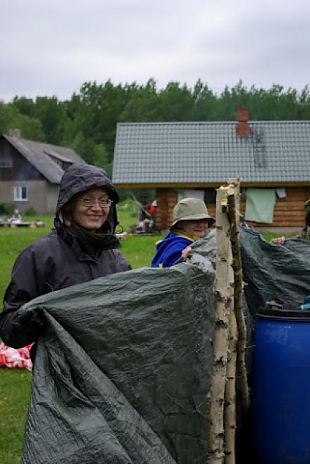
(288, 212)
(166, 199)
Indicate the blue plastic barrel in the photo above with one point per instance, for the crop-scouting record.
(280, 395)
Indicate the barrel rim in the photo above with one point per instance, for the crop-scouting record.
(281, 314)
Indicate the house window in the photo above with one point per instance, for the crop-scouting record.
(6, 163)
(20, 193)
(190, 193)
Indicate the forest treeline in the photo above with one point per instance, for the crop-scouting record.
(87, 122)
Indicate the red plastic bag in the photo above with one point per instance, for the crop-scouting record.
(11, 357)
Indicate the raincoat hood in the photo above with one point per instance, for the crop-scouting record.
(79, 178)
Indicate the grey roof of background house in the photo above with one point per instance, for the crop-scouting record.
(210, 152)
(41, 155)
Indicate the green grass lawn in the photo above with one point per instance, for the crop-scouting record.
(14, 398)
(15, 383)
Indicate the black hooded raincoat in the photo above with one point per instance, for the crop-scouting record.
(59, 259)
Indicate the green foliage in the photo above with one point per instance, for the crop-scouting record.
(52, 115)
(205, 103)
(24, 105)
(141, 104)
(7, 208)
(84, 147)
(101, 106)
(176, 103)
(87, 122)
(48, 111)
(12, 118)
(101, 158)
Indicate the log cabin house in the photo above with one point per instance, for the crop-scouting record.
(272, 159)
(30, 173)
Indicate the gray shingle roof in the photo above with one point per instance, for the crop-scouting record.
(210, 152)
(41, 155)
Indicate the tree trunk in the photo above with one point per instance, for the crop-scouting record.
(230, 330)
(234, 218)
(224, 298)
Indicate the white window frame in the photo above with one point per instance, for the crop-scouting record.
(20, 193)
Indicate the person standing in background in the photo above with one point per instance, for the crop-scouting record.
(16, 217)
(152, 211)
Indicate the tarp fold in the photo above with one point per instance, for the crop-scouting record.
(122, 371)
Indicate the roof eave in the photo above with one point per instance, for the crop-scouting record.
(180, 185)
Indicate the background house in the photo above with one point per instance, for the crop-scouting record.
(194, 158)
(30, 173)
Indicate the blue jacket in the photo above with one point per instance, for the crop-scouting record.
(169, 250)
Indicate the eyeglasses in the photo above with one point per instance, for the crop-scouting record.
(102, 202)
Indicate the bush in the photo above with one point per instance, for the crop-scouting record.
(7, 208)
(30, 212)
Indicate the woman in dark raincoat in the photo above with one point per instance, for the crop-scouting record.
(82, 247)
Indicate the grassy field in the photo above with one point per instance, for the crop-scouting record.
(15, 383)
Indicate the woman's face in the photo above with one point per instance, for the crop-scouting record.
(194, 229)
(90, 209)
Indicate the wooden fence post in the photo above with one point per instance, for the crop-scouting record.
(224, 299)
(234, 218)
(228, 347)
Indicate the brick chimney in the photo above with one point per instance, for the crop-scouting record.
(242, 127)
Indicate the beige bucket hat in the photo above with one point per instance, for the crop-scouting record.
(191, 209)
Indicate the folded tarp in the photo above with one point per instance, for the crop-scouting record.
(123, 370)
(274, 272)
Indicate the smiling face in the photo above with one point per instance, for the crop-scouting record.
(89, 210)
(194, 229)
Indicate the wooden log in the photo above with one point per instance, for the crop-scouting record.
(230, 333)
(234, 218)
(230, 414)
(224, 298)
(230, 421)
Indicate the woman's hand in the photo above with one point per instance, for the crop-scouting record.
(279, 240)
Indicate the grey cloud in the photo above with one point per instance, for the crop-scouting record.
(53, 47)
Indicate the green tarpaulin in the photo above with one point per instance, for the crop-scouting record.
(122, 372)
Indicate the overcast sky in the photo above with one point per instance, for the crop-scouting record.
(52, 47)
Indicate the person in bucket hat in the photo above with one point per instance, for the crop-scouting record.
(191, 221)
